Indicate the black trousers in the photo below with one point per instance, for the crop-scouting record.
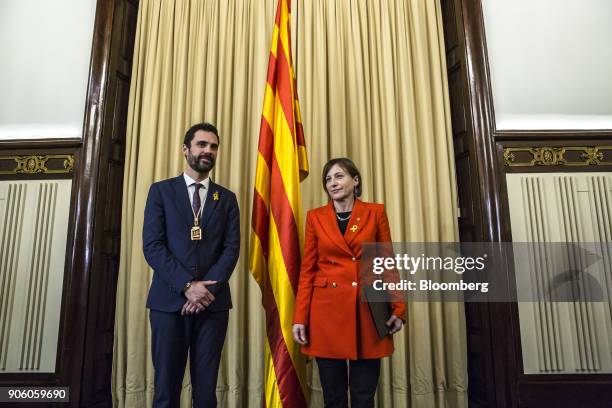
(360, 377)
(173, 338)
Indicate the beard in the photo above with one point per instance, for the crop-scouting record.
(197, 164)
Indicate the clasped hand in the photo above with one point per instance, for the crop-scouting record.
(198, 297)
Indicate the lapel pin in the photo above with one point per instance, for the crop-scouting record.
(216, 196)
(354, 228)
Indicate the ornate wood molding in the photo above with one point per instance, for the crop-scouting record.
(37, 164)
(40, 144)
(558, 156)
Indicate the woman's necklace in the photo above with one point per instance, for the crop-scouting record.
(343, 219)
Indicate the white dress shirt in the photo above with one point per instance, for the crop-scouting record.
(191, 189)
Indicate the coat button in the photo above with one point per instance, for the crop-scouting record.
(354, 284)
(334, 284)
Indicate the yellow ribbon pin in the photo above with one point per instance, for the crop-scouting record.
(216, 196)
(354, 228)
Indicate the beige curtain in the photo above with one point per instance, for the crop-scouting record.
(372, 86)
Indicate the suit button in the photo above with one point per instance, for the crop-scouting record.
(354, 284)
(353, 258)
(334, 284)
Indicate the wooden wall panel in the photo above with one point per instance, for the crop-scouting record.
(84, 355)
(494, 344)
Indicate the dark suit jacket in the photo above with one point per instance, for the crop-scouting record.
(175, 258)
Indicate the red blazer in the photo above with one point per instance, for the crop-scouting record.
(328, 300)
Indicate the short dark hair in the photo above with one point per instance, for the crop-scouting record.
(348, 166)
(205, 126)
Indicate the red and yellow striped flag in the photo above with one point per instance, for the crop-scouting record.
(276, 238)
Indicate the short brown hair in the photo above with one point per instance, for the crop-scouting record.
(348, 166)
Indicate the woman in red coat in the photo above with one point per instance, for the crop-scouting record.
(330, 321)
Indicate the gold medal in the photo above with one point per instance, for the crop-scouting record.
(196, 231)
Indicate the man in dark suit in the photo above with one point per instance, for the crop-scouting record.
(191, 239)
